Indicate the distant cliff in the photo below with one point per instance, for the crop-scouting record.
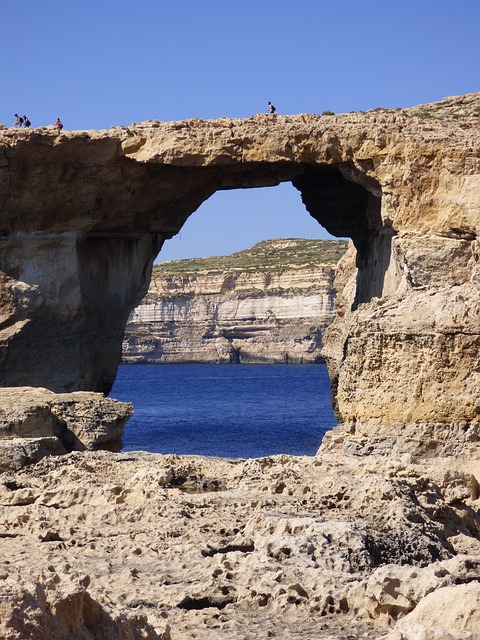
(267, 304)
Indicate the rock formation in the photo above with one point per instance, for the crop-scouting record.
(267, 304)
(83, 214)
(36, 422)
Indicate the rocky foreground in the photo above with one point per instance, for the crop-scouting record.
(137, 545)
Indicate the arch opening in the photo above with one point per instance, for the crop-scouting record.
(269, 269)
(343, 199)
(233, 220)
(348, 204)
(338, 204)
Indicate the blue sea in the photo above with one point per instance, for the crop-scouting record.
(233, 411)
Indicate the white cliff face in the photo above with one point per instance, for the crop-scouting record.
(180, 309)
(233, 315)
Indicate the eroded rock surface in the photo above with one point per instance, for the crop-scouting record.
(191, 547)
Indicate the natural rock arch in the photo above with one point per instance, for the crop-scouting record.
(83, 215)
(91, 225)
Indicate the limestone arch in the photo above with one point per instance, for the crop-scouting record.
(107, 214)
(341, 197)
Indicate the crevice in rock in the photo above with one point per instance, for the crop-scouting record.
(188, 603)
(243, 548)
(12, 485)
(192, 484)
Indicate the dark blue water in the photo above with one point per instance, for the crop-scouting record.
(236, 411)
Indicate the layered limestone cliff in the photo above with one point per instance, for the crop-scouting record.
(267, 304)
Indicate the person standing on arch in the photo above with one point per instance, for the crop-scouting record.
(271, 108)
(58, 125)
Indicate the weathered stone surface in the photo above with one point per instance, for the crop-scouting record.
(249, 307)
(393, 591)
(83, 214)
(55, 605)
(36, 422)
(309, 548)
(406, 364)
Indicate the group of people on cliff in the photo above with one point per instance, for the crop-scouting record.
(24, 122)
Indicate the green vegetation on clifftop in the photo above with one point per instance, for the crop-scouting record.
(268, 255)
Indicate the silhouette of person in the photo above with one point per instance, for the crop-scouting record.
(58, 125)
(19, 121)
(26, 122)
(271, 108)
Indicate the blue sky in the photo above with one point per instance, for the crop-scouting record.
(101, 63)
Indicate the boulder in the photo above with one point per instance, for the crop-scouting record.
(450, 612)
(35, 422)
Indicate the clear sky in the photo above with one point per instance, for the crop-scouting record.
(101, 63)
